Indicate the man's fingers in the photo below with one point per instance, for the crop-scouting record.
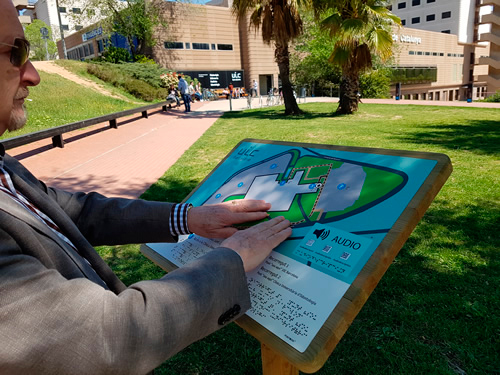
(248, 205)
(240, 218)
(272, 226)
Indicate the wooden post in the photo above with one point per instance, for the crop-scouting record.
(57, 141)
(274, 364)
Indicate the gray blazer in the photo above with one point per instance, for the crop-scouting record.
(59, 316)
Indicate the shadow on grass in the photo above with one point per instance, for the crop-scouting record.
(169, 189)
(482, 137)
(278, 114)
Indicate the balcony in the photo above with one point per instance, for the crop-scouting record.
(490, 18)
(25, 20)
(489, 37)
(489, 2)
(484, 60)
(22, 4)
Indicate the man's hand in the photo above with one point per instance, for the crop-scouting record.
(218, 220)
(255, 244)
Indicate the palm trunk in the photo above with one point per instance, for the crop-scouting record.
(349, 87)
(283, 60)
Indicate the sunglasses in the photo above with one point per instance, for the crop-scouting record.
(20, 52)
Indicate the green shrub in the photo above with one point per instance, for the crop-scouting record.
(115, 55)
(141, 59)
(149, 73)
(120, 77)
(495, 98)
(375, 83)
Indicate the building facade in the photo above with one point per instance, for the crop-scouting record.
(476, 25)
(208, 38)
(459, 59)
(203, 41)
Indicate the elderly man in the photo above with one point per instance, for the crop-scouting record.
(62, 310)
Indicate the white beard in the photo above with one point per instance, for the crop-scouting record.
(17, 119)
(18, 116)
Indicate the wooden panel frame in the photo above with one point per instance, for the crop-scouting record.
(323, 344)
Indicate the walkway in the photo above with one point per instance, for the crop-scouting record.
(125, 162)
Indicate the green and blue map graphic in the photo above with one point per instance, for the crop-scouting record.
(342, 203)
(310, 188)
(356, 192)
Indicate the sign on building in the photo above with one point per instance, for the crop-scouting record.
(218, 79)
(91, 34)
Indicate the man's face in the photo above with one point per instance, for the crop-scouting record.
(13, 80)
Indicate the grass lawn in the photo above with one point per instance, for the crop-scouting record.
(84, 103)
(437, 309)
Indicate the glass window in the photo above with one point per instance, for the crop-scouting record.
(415, 20)
(402, 5)
(91, 48)
(212, 46)
(225, 47)
(446, 31)
(76, 10)
(100, 46)
(419, 53)
(403, 22)
(62, 9)
(411, 52)
(434, 53)
(431, 1)
(173, 45)
(415, 3)
(78, 27)
(201, 46)
(427, 54)
(441, 53)
(65, 27)
(446, 14)
(188, 45)
(431, 17)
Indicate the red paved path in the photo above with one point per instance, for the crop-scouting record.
(121, 162)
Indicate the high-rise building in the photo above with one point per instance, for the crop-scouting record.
(46, 11)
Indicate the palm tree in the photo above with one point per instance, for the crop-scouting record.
(281, 23)
(362, 28)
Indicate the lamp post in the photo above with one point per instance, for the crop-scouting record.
(62, 31)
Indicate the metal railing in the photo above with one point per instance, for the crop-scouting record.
(57, 132)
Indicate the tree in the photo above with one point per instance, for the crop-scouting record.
(37, 43)
(309, 64)
(133, 19)
(362, 28)
(280, 23)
